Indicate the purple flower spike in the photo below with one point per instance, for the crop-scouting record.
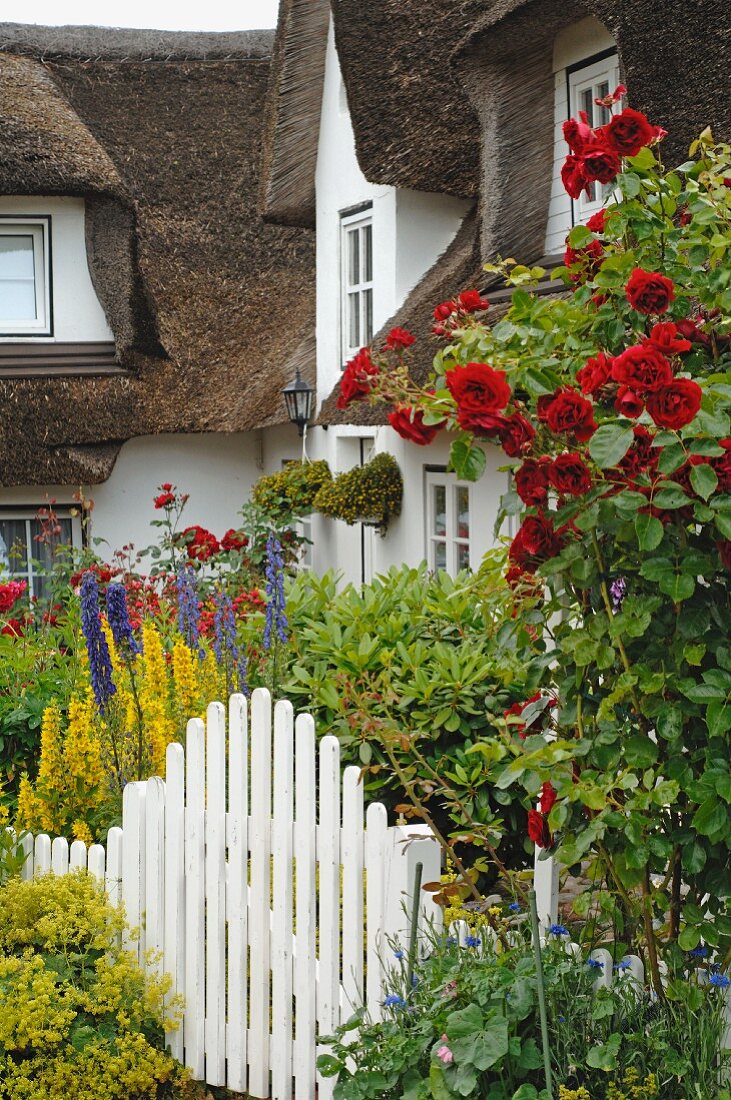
(100, 663)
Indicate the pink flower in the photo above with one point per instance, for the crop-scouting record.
(444, 1053)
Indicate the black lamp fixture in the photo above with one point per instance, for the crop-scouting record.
(299, 399)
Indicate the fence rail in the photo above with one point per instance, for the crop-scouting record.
(262, 886)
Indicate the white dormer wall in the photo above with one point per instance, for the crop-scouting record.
(77, 314)
(573, 44)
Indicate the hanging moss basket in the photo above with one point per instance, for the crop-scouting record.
(291, 491)
(369, 494)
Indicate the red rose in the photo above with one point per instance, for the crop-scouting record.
(13, 628)
(595, 373)
(484, 425)
(571, 414)
(444, 310)
(515, 434)
(10, 593)
(597, 222)
(536, 541)
(478, 388)
(538, 830)
(628, 403)
(544, 403)
(664, 336)
(399, 338)
(628, 132)
(689, 328)
(409, 423)
(586, 260)
(601, 164)
(573, 176)
(165, 500)
(234, 540)
(470, 301)
(643, 368)
(200, 544)
(722, 466)
(724, 553)
(649, 292)
(355, 382)
(548, 798)
(569, 475)
(166, 487)
(577, 133)
(103, 574)
(675, 405)
(531, 480)
(642, 457)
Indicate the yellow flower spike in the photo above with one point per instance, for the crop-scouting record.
(28, 812)
(154, 697)
(186, 678)
(51, 772)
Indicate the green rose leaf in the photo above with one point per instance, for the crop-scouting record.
(671, 498)
(704, 480)
(467, 460)
(711, 817)
(718, 717)
(678, 587)
(649, 531)
(689, 938)
(640, 751)
(610, 444)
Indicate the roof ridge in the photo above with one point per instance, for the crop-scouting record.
(122, 44)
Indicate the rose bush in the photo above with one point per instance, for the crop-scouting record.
(614, 399)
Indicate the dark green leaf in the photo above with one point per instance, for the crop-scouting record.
(704, 480)
(610, 444)
(649, 530)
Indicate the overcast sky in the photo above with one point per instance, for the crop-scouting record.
(169, 15)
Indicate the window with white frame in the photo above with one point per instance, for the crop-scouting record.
(356, 262)
(26, 554)
(25, 276)
(587, 82)
(448, 522)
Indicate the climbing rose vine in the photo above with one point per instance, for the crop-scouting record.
(611, 401)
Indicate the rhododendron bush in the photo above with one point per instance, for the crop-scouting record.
(611, 400)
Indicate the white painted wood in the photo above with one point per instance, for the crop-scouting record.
(96, 859)
(174, 930)
(113, 871)
(215, 870)
(77, 856)
(26, 846)
(237, 892)
(305, 979)
(154, 849)
(195, 990)
(352, 860)
(259, 910)
(328, 859)
(133, 867)
(376, 844)
(604, 976)
(60, 856)
(409, 845)
(545, 884)
(634, 972)
(281, 1051)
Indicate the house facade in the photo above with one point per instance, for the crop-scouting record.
(185, 220)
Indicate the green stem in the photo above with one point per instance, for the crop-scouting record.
(414, 925)
(541, 991)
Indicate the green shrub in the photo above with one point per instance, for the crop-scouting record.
(77, 1015)
(372, 493)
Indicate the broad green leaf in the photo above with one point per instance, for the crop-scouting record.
(689, 938)
(671, 498)
(467, 460)
(704, 480)
(649, 530)
(718, 717)
(710, 817)
(678, 587)
(640, 751)
(610, 444)
(604, 1056)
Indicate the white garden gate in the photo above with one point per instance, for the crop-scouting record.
(262, 887)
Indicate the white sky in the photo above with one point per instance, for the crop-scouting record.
(169, 15)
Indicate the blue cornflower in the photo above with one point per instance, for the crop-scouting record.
(562, 1019)
(472, 941)
(394, 1001)
(558, 930)
(451, 941)
(100, 663)
(118, 618)
(624, 964)
(595, 964)
(398, 954)
(514, 907)
(276, 618)
(721, 981)
(188, 608)
(701, 952)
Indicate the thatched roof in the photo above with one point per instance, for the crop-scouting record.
(162, 135)
(414, 126)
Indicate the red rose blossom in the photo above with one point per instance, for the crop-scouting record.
(665, 337)
(515, 434)
(409, 424)
(574, 177)
(675, 405)
(642, 457)
(531, 480)
(577, 133)
(628, 403)
(538, 830)
(478, 388)
(649, 291)
(399, 338)
(601, 163)
(628, 132)
(13, 628)
(586, 260)
(597, 222)
(535, 542)
(10, 593)
(595, 373)
(165, 500)
(355, 382)
(722, 466)
(234, 540)
(571, 414)
(643, 368)
(569, 475)
(548, 798)
(470, 301)
(200, 544)
(444, 310)
(166, 487)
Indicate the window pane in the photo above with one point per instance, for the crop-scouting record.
(367, 232)
(354, 320)
(586, 104)
(463, 511)
(17, 300)
(367, 316)
(44, 553)
(13, 548)
(463, 556)
(16, 256)
(439, 501)
(439, 555)
(353, 257)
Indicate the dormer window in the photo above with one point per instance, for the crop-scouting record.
(357, 281)
(25, 276)
(587, 82)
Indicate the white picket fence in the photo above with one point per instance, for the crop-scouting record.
(262, 888)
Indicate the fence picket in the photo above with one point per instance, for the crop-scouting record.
(174, 930)
(96, 860)
(26, 847)
(259, 904)
(281, 1052)
(195, 992)
(352, 860)
(133, 866)
(215, 872)
(237, 892)
(376, 842)
(328, 862)
(305, 974)
(77, 856)
(154, 849)
(60, 856)
(113, 872)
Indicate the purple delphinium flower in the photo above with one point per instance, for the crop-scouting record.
(118, 618)
(100, 663)
(226, 645)
(618, 590)
(188, 609)
(276, 618)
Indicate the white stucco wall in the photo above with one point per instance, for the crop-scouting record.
(77, 313)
